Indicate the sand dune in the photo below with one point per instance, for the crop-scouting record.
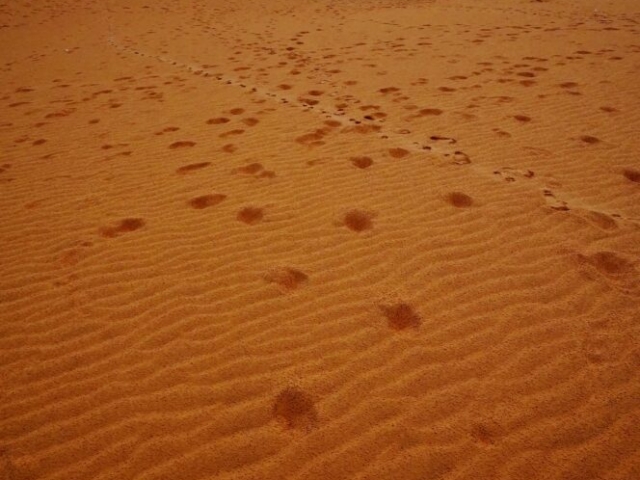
(320, 240)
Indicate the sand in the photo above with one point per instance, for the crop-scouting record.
(320, 240)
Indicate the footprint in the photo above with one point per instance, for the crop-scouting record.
(250, 169)
(361, 162)
(287, 278)
(125, 226)
(522, 118)
(358, 220)
(598, 219)
(295, 409)
(237, 131)
(439, 138)
(631, 175)
(60, 113)
(607, 263)
(313, 138)
(401, 316)
(461, 158)
(167, 130)
(398, 152)
(236, 111)
(250, 122)
(590, 139)
(229, 148)
(509, 174)
(255, 169)
(205, 201)
(72, 257)
(192, 167)
(430, 111)
(553, 201)
(182, 144)
(250, 215)
(217, 121)
(459, 199)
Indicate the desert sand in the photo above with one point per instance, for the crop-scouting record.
(307, 239)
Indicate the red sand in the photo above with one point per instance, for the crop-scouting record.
(320, 240)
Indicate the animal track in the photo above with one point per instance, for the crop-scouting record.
(358, 221)
(509, 174)
(361, 162)
(192, 167)
(250, 215)
(255, 169)
(590, 139)
(401, 316)
(217, 121)
(60, 113)
(182, 144)
(461, 158)
(553, 201)
(334, 119)
(608, 263)
(459, 199)
(167, 130)
(295, 409)
(430, 111)
(287, 278)
(631, 175)
(125, 226)
(398, 152)
(439, 138)
(205, 201)
(599, 219)
(237, 131)
(229, 148)
(312, 139)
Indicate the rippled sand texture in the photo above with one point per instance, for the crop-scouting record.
(319, 240)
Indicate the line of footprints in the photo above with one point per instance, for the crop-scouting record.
(293, 407)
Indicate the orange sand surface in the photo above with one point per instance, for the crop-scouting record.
(314, 239)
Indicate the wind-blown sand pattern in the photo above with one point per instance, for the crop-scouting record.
(320, 240)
